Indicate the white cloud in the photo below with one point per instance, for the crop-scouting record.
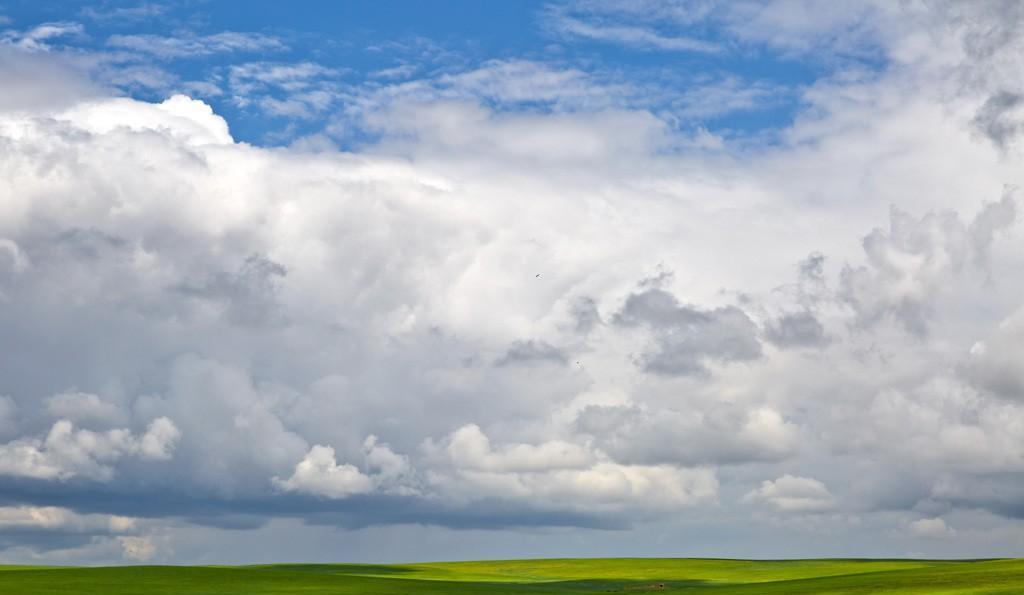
(246, 77)
(78, 406)
(791, 493)
(721, 434)
(993, 362)
(53, 518)
(14, 260)
(281, 304)
(160, 439)
(642, 37)
(69, 452)
(145, 10)
(390, 467)
(187, 120)
(934, 528)
(944, 424)
(916, 259)
(396, 72)
(293, 90)
(319, 473)
(137, 548)
(464, 467)
(40, 80)
(470, 449)
(191, 45)
(560, 476)
(795, 27)
(36, 39)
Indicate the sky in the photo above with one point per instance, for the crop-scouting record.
(394, 281)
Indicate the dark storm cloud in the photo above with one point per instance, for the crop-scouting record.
(999, 493)
(585, 314)
(999, 118)
(688, 337)
(250, 513)
(812, 268)
(88, 243)
(527, 352)
(45, 540)
(248, 294)
(801, 329)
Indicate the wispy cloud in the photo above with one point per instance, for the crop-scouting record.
(641, 37)
(36, 38)
(294, 90)
(125, 14)
(788, 26)
(395, 72)
(191, 45)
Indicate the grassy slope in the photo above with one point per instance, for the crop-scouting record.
(551, 577)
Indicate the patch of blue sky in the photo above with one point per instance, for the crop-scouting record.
(318, 56)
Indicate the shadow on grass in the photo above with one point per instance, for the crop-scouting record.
(594, 586)
(564, 586)
(360, 569)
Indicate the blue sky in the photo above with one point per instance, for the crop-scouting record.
(356, 42)
(395, 280)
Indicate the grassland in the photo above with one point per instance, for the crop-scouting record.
(550, 577)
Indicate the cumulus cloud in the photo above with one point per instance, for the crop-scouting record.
(723, 434)
(57, 531)
(910, 264)
(934, 528)
(137, 548)
(470, 449)
(992, 363)
(525, 352)
(208, 330)
(33, 81)
(998, 119)
(78, 406)
(561, 476)
(53, 518)
(687, 337)
(68, 452)
(465, 468)
(795, 494)
(319, 473)
(248, 295)
(800, 329)
(188, 121)
(942, 424)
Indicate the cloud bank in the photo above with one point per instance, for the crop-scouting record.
(529, 302)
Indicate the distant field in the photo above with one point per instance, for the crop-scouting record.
(620, 575)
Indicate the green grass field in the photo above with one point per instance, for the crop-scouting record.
(620, 575)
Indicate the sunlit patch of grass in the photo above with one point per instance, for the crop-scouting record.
(548, 577)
